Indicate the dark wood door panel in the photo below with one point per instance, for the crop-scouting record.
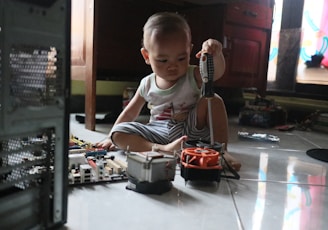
(246, 57)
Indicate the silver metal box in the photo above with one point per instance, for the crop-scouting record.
(151, 166)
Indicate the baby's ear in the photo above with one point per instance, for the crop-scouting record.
(145, 55)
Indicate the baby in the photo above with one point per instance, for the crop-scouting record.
(172, 93)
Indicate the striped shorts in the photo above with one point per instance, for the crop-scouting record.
(165, 131)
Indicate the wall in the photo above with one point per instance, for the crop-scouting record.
(109, 95)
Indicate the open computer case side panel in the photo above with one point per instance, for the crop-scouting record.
(34, 113)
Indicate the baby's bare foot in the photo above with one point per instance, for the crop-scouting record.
(235, 165)
(175, 145)
(233, 162)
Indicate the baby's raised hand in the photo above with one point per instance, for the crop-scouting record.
(210, 46)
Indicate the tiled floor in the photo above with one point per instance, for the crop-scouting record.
(280, 188)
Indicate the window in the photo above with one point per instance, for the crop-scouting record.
(313, 59)
(298, 61)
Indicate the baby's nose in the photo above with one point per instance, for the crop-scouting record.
(172, 67)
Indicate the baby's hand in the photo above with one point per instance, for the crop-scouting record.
(105, 144)
(210, 46)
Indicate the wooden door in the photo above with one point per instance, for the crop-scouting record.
(246, 57)
(82, 54)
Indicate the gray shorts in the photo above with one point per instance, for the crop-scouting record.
(166, 131)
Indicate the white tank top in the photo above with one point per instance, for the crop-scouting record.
(173, 103)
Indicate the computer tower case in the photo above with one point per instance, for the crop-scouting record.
(34, 117)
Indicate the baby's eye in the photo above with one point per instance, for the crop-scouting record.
(181, 58)
(161, 60)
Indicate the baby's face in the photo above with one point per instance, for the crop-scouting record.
(169, 54)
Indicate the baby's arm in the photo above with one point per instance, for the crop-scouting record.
(130, 113)
(132, 110)
(213, 47)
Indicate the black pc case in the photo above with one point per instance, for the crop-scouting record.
(34, 118)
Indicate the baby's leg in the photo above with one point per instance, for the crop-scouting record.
(132, 142)
(219, 118)
(219, 123)
(137, 143)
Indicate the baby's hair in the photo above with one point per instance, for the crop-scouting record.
(165, 23)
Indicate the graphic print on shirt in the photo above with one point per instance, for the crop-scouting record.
(170, 112)
(166, 114)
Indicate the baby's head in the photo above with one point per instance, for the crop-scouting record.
(167, 44)
(165, 23)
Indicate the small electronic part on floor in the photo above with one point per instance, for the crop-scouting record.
(88, 164)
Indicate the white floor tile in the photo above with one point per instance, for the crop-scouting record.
(280, 188)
